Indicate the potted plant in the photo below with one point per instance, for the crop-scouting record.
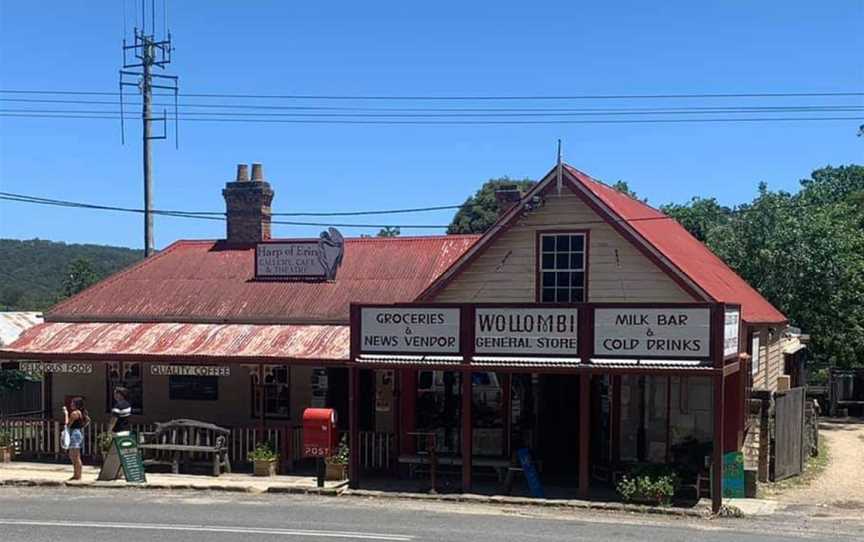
(103, 444)
(6, 448)
(263, 460)
(337, 464)
(649, 484)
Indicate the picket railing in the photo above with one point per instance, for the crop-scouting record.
(40, 439)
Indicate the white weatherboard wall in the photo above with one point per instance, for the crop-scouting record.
(617, 270)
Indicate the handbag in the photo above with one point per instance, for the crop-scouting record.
(65, 438)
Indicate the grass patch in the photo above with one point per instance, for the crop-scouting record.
(813, 468)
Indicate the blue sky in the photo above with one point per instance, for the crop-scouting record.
(411, 48)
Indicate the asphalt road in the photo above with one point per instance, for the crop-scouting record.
(93, 515)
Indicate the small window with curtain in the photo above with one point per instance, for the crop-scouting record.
(562, 267)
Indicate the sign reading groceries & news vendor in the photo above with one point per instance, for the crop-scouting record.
(410, 329)
(652, 332)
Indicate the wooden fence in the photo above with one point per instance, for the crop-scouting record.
(40, 439)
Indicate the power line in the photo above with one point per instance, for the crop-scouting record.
(220, 216)
(704, 109)
(466, 97)
(476, 122)
(305, 115)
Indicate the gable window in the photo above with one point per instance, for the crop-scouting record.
(562, 267)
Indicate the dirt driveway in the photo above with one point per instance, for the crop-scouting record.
(840, 487)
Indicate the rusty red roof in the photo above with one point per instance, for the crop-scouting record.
(183, 342)
(213, 282)
(685, 252)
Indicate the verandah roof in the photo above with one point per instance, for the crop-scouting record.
(167, 342)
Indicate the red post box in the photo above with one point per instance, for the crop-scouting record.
(319, 432)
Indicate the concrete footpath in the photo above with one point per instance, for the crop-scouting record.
(53, 475)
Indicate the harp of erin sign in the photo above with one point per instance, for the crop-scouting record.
(307, 259)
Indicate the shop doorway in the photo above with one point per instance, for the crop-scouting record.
(558, 427)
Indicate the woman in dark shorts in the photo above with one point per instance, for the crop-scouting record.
(76, 420)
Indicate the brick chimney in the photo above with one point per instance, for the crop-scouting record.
(507, 196)
(247, 203)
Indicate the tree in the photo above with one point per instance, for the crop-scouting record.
(699, 215)
(805, 253)
(624, 188)
(79, 276)
(13, 379)
(480, 211)
(389, 231)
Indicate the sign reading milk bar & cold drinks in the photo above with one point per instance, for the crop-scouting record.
(731, 323)
(548, 331)
(424, 330)
(655, 333)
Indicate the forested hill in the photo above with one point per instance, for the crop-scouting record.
(35, 274)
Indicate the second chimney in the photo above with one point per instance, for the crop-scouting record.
(247, 205)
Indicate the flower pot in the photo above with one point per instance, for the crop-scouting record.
(336, 472)
(6, 453)
(264, 467)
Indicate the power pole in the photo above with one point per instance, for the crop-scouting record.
(146, 52)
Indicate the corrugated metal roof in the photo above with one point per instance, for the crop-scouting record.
(652, 363)
(12, 324)
(213, 282)
(172, 341)
(685, 252)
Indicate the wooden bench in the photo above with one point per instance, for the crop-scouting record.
(415, 460)
(188, 443)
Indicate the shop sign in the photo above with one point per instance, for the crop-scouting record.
(301, 259)
(655, 333)
(508, 330)
(190, 370)
(731, 326)
(36, 367)
(422, 330)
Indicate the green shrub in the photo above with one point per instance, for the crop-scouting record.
(341, 455)
(5, 438)
(653, 483)
(263, 452)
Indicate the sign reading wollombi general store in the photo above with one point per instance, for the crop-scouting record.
(302, 258)
(426, 330)
(656, 333)
(506, 330)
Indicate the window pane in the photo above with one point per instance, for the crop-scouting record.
(577, 279)
(578, 243)
(562, 261)
(548, 261)
(576, 260)
(577, 295)
(563, 280)
(548, 243)
(549, 280)
(548, 295)
(562, 295)
(563, 243)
